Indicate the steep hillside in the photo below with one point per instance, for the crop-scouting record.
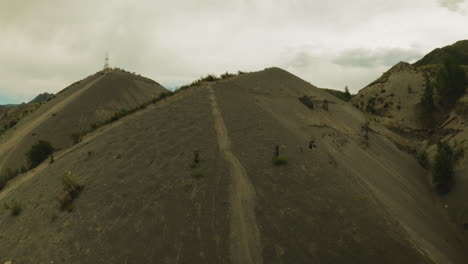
(10, 116)
(394, 97)
(43, 97)
(395, 100)
(74, 110)
(349, 198)
(458, 52)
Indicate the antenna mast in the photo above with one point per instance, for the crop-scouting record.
(106, 62)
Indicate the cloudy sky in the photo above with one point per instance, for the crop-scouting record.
(46, 45)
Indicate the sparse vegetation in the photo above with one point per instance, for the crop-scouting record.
(39, 152)
(8, 175)
(76, 137)
(53, 218)
(14, 207)
(9, 125)
(345, 96)
(306, 101)
(209, 78)
(443, 168)
(422, 159)
(370, 105)
(72, 188)
(164, 95)
(197, 173)
(451, 81)
(427, 102)
(194, 165)
(280, 160)
(227, 75)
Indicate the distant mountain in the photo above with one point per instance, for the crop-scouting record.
(8, 105)
(42, 98)
(457, 52)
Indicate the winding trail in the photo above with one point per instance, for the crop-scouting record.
(244, 236)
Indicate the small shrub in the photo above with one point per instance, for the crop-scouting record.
(14, 207)
(197, 173)
(39, 152)
(306, 101)
(53, 218)
(164, 95)
(344, 96)
(70, 184)
(280, 160)
(194, 165)
(76, 137)
(3, 181)
(422, 159)
(227, 75)
(210, 78)
(410, 89)
(72, 189)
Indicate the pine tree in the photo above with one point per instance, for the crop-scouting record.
(444, 163)
(347, 93)
(451, 81)
(427, 101)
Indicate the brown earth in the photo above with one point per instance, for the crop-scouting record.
(349, 200)
(74, 110)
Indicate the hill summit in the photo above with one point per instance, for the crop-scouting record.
(258, 167)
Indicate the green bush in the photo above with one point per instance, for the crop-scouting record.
(194, 165)
(76, 137)
(164, 95)
(451, 81)
(14, 207)
(210, 78)
(410, 89)
(345, 96)
(197, 173)
(280, 160)
(427, 102)
(227, 75)
(422, 159)
(443, 168)
(72, 188)
(39, 152)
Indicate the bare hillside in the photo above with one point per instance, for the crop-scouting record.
(74, 110)
(346, 199)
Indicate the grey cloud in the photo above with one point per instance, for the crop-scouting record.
(368, 58)
(452, 5)
(46, 45)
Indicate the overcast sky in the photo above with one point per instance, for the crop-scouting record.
(47, 45)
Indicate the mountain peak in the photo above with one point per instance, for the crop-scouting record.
(42, 97)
